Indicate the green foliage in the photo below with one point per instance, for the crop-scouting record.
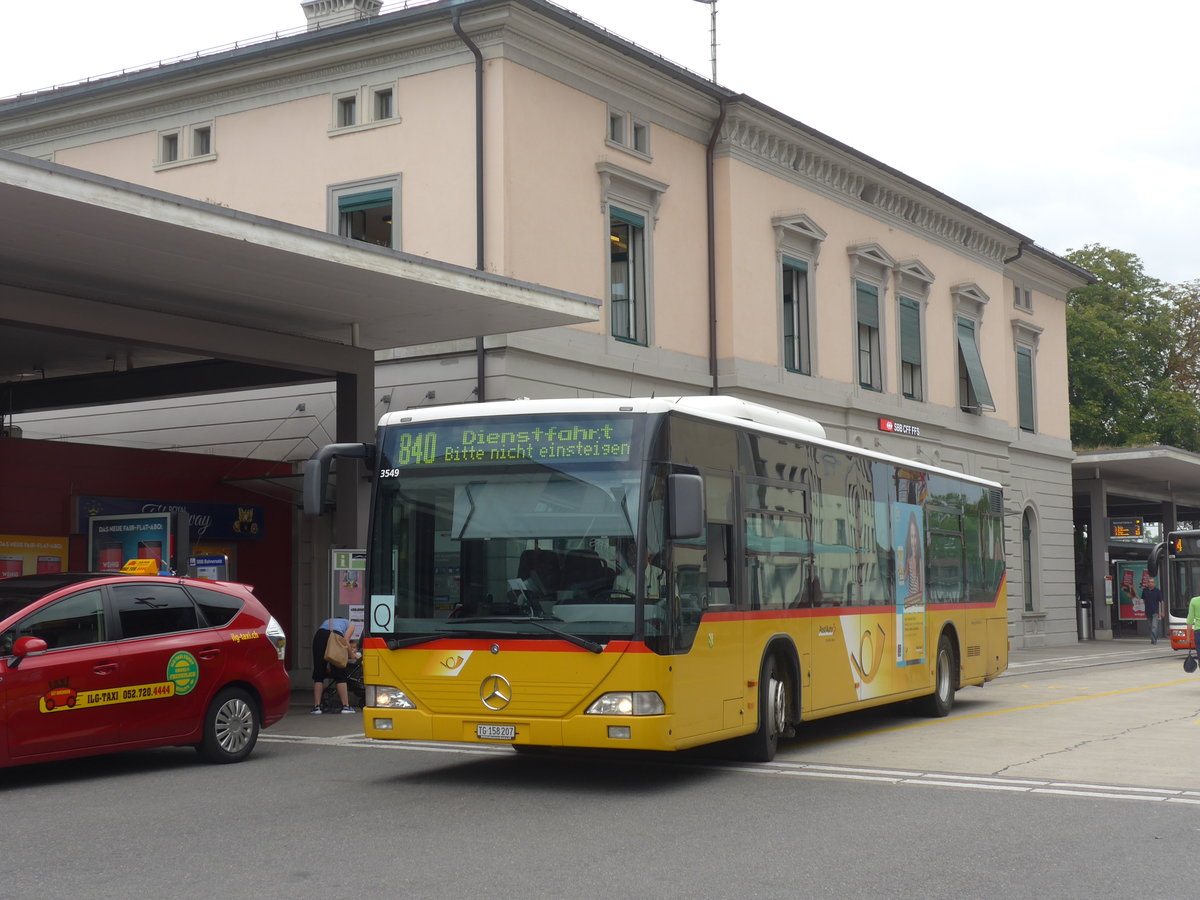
(1133, 345)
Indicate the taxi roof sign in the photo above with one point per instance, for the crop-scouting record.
(140, 567)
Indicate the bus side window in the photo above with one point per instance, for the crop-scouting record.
(718, 565)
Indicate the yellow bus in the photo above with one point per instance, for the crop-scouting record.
(659, 574)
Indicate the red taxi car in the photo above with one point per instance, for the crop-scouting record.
(102, 663)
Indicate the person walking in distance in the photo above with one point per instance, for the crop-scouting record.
(1152, 600)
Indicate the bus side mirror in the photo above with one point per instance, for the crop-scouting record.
(687, 506)
(1155, 560)
(316, 472)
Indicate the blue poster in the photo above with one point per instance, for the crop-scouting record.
(207, 521)
(114, 540)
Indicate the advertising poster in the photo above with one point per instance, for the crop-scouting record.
(1131, 578)
(348, 570)
(908, 535)
(22, 554)
(114, 539)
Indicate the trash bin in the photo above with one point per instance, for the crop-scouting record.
(1084, 608)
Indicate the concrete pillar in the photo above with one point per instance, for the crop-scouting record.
(1102, 613)
(355, 424)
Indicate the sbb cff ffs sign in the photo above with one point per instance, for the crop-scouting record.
(1126, 528)
(893, 427)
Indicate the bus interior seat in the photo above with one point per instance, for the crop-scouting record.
(584, 570)
(543, 564)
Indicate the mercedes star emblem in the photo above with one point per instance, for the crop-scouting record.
(495, 692)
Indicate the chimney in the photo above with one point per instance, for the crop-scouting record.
(326, 13)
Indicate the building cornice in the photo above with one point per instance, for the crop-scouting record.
(759, 139)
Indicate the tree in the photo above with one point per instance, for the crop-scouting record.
(1183, 365)
(1127, 356)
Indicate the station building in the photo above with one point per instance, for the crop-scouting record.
(732, 249)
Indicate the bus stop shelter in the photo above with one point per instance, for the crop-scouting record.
(1123, 499)
(113, 292)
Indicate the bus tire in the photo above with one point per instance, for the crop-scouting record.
(941, 701)
(773, 705)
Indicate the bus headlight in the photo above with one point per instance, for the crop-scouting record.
(384, 697)
(628, 703)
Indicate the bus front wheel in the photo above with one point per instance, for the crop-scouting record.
(773, 706)
(939, 703)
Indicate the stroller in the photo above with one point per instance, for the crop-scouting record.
(356, 690)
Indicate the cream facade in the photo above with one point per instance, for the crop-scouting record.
(823, 282)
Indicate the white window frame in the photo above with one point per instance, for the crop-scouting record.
(913, 281)
(1022, 297)
(872, 266)
(184, 140)
(378, 91)
(638, 195)
(197, 131)
(366, 108)
(172, 139)
(622, 130)
(343, 102)
(798, 239)
(1026, 336)
(969, 302)
(335, 192)
(1030, 561)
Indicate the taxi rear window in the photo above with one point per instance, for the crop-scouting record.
(218, 608)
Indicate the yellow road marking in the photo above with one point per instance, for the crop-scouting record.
(994, 712)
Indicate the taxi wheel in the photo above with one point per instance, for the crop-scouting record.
(230, 727)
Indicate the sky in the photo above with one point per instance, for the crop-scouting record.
(1072, 123)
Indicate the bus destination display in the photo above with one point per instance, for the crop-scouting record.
(507, 440)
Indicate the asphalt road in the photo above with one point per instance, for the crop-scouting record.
(1058, 780)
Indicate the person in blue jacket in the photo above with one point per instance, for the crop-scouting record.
(323, 670)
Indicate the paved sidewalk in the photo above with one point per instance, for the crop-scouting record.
(1081, 654)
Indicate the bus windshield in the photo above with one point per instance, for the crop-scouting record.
(503, 528)
(1185, 584)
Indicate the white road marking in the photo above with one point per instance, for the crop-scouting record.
(905, 777)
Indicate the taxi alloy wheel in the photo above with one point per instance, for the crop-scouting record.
(230, 727)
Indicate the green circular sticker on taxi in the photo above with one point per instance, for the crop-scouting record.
(183, 671)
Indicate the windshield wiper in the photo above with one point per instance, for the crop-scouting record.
(575, 639)
(397, 643)
(590, 646)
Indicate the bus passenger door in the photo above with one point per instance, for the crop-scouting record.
(706, 638)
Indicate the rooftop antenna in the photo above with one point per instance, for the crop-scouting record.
(712, 31)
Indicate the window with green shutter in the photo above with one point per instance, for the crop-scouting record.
(1025, 406)
(797, 352)
(870, 371)
(910, 349)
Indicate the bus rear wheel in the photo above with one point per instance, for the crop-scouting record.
(940, 702)
(774, 701)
